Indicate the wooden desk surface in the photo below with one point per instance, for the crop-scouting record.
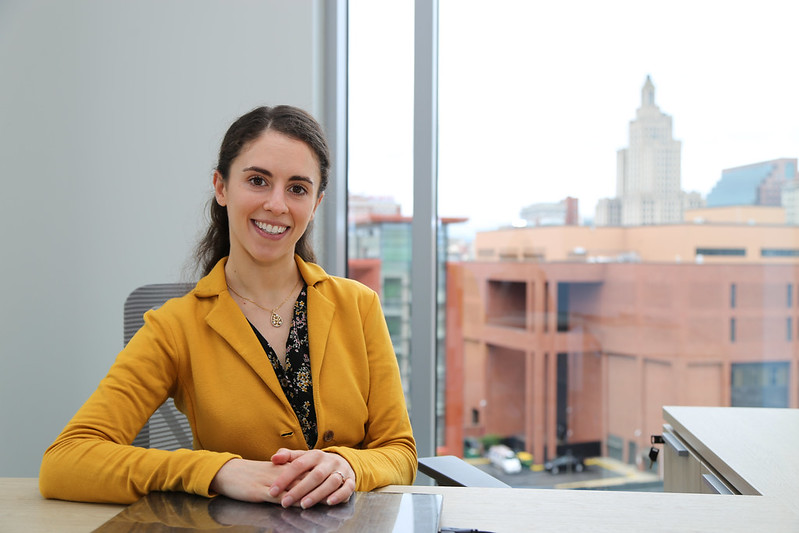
(22, 509)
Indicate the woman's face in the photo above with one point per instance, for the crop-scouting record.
(271, 197)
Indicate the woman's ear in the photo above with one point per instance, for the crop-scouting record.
(219, 189)
(318, 201)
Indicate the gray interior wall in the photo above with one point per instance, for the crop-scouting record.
(111, 113)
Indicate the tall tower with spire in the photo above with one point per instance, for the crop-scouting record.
(647, 172)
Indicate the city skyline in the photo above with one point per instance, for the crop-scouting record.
(517, 128)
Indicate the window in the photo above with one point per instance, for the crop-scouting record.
(563, 307)
(779, 252)
(506, 304)
(740, 252)
(380, 161)
(394, 326)
(760, 384)
(638, 273)
(392, 291)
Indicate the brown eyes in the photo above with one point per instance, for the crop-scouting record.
(298, 189)
(295, 188)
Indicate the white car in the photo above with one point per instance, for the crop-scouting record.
(505, 459)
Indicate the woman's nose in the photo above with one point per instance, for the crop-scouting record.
(276, 202)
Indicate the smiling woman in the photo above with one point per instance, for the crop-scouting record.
(293, 411)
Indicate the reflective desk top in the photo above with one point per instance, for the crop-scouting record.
(737, 437)
(22, 509)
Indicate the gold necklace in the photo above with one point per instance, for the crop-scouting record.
(276, 319)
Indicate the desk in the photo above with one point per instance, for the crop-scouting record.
(754, 449)
(22, 509)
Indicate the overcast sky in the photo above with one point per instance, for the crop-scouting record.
(535, 98)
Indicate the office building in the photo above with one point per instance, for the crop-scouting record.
(608, 212)
(744, 234)
(563, 213)
(790, 201)
(574, 347)
(755, 184)
(647, 172)
(379, 241)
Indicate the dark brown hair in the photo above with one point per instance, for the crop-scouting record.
(290, 121)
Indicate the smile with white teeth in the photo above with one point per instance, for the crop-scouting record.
(269, 228)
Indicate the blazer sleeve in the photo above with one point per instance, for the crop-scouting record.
(92, 459)
(388, 453)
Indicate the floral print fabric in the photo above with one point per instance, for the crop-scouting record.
(295, 377)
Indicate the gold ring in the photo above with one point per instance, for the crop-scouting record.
(343, 479)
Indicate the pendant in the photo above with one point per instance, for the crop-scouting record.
(277, 320)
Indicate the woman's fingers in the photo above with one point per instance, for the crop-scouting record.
(313, 476)
(343, 493)
(245, 480)
(284, 455)
(293, 472)
(331, 490)
(293, 477)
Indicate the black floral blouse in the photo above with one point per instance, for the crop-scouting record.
(295, 377)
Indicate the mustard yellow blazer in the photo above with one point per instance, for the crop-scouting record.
(200, 350)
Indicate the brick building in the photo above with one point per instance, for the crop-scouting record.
(565, 351)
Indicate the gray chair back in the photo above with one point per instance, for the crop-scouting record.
(167, 428)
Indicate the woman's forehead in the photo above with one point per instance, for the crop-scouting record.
(275, 148)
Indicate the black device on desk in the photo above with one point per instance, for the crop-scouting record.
(365, 512)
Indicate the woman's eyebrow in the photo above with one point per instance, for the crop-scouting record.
(257, 169)
(306, 179)
(267, 173)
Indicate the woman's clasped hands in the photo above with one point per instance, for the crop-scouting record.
(291, 478)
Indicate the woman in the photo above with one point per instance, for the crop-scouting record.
(288, 407)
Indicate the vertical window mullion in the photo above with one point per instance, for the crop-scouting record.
(424, 226)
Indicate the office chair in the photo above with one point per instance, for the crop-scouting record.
(168, 428)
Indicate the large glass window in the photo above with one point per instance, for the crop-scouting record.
(380, 160)
(619, 207)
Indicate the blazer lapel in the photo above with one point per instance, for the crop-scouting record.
(320, 319)
(227, 320)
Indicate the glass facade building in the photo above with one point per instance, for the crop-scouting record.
(755, 184)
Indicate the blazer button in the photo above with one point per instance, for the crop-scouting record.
(328, 436)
